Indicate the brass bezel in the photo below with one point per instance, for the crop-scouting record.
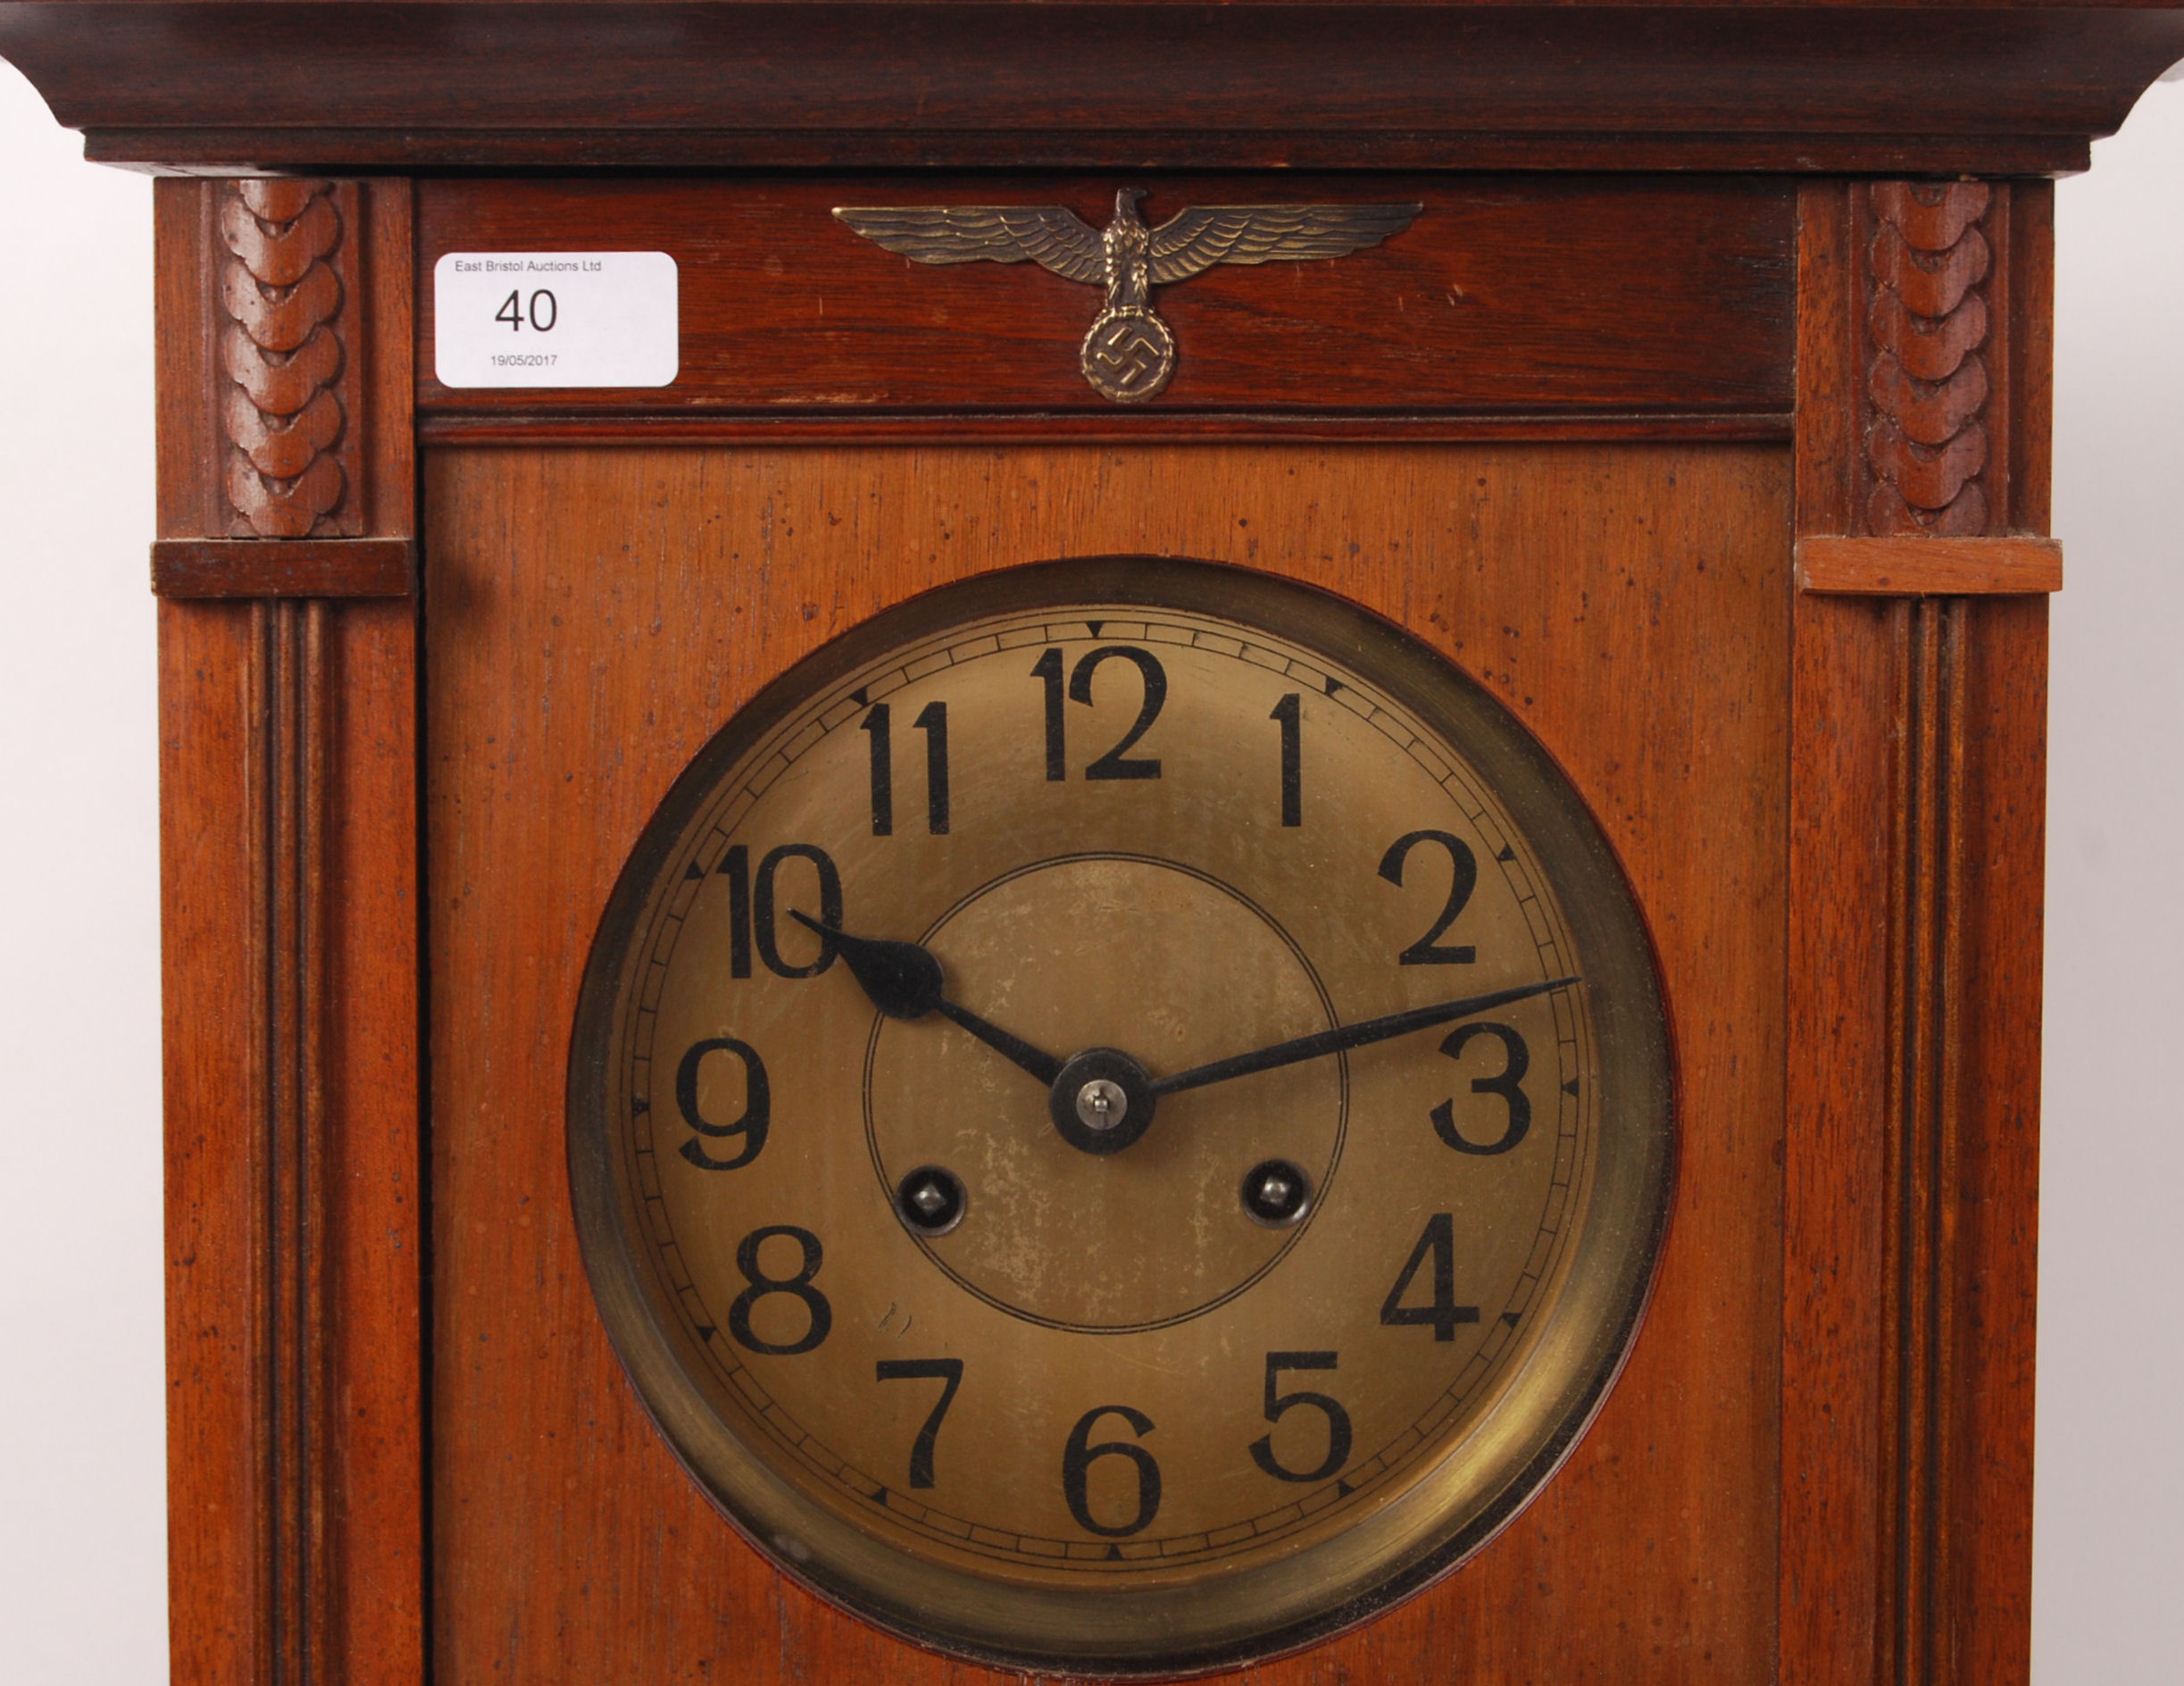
(1482, 1482)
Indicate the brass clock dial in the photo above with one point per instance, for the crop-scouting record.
(1121, 1117)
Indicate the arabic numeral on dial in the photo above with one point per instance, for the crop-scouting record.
(875, 723)
(1277, 1404)
(1048, 670)
(754, 913)
(1287, 710)
(1516, 1060)
(947, 1371)
(1463, 877)
(1437, 1246)
(933, 722)
(1116, 763)
(1082, 1452)
(736, 868)
(757, 1105)
(819, 1313)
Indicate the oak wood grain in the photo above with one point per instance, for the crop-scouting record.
(597, 614)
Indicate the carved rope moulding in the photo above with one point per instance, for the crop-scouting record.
(1925, 440)
(281, 348)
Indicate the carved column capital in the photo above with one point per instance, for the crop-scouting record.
(287, 275)
(1928, 262)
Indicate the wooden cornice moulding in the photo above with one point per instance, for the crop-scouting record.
(353, 86)
(217, 568)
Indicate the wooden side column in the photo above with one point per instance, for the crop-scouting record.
(288, 798)
(1919, 743)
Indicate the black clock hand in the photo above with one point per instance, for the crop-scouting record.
(905, 981)
(1347, 1036)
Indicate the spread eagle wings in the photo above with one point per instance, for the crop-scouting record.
(1047, 234)
(1191, 240)
(1205, 234)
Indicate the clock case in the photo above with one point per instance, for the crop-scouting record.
(1740, 325)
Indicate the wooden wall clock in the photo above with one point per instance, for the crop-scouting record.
(1126, 840)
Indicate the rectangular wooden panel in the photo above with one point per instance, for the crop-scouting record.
(294, 1225)
(1927, 567)
(216, 1584)
(375, 1215)
(1571, 298)
(1987, 1625)
(1834, 1292)
(597, 614)
(282, 567)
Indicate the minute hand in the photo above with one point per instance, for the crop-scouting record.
(1347, 1036)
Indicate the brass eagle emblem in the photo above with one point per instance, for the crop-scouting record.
(1129, 353)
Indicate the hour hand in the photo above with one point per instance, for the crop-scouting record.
(905, 981)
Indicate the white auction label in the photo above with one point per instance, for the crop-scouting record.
(556, 318)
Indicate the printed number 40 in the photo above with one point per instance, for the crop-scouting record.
(543, 312)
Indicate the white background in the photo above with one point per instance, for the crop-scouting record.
(82, 1545)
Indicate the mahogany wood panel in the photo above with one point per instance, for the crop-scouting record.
(596, 614)
(1834, 1299)
(1558, 298)
(2031, 372)
(1912, 1151)
(283, 567)
(294, 1226)
(1927, 567)
(215, 1457)
(375, 1206)
(1993, 90)
(1986, 1633)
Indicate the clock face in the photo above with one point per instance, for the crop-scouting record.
(1120, 1117)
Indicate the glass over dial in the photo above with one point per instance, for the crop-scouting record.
(1121, 1117)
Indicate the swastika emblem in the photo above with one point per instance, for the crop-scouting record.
(1130, 353)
